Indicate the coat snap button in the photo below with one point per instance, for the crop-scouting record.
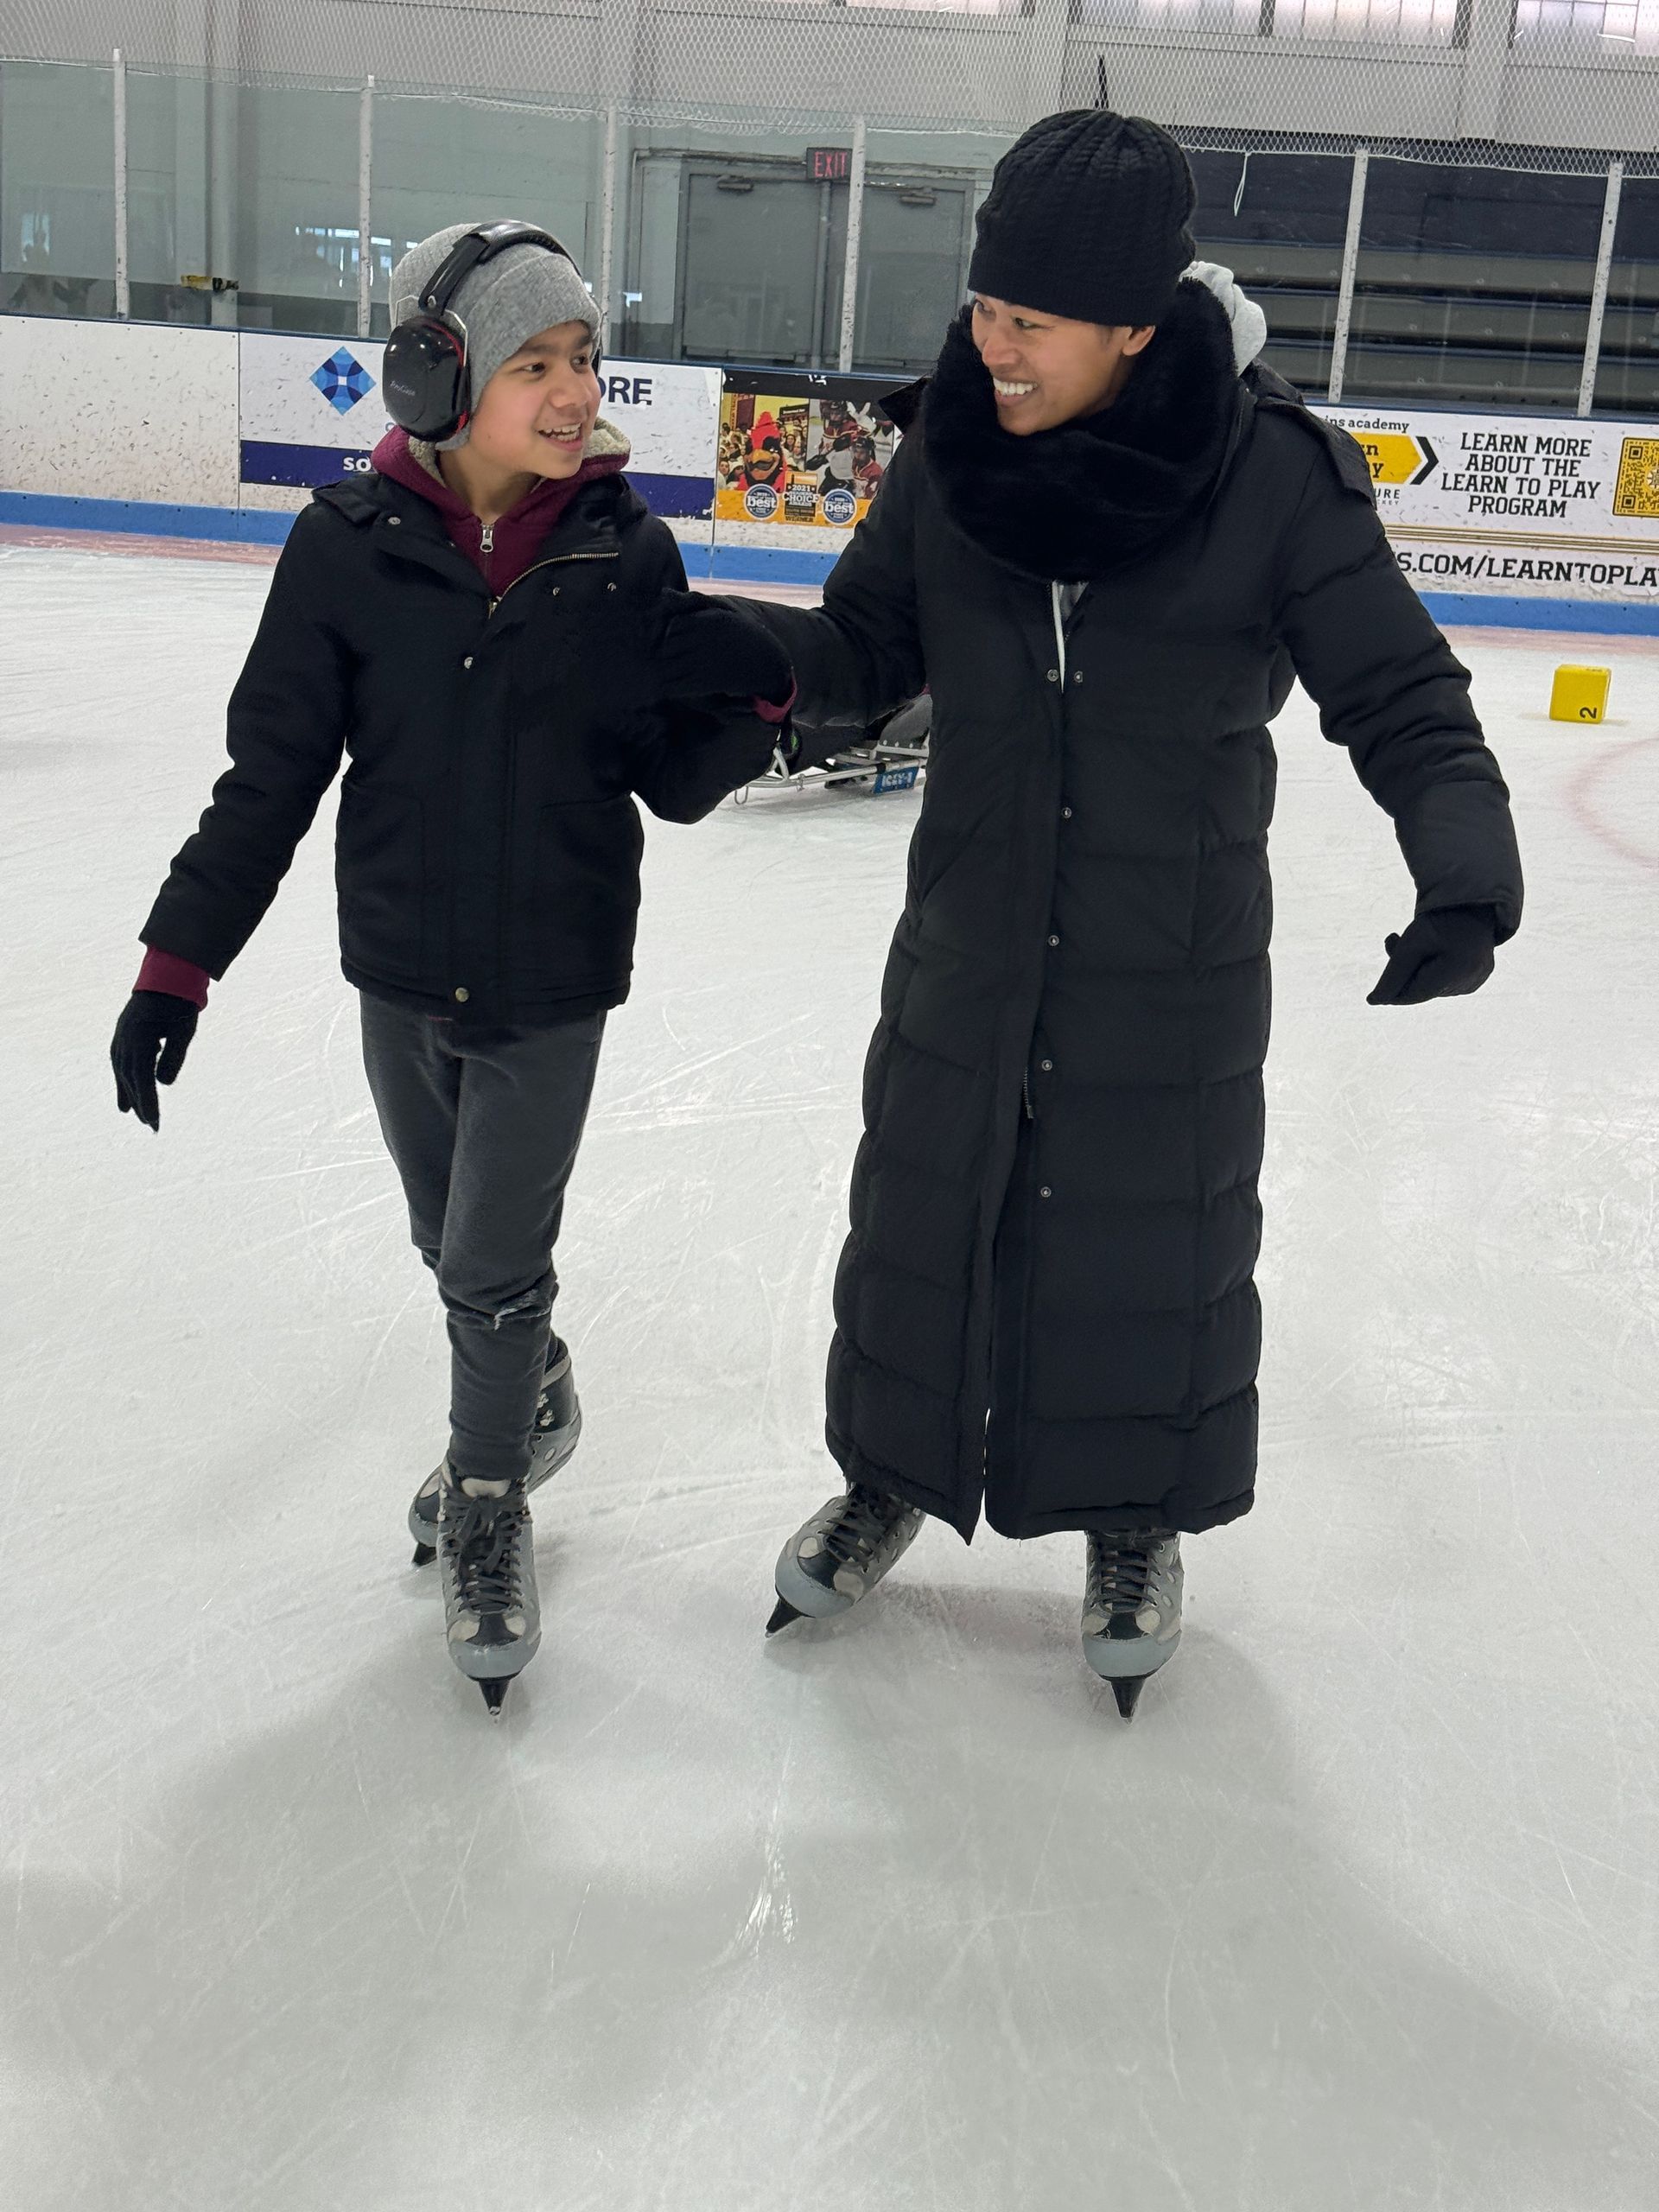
(467, 662)
(1044, 1192)
(1053, 940)
(1048, 1067)
(1066, 814)
(462, 994)
(610, 587)
(1077, 678)
(1054, 675)
(393, 521)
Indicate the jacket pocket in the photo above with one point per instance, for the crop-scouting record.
(575, 913)
(380, 874)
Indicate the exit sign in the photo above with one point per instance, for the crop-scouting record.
(829, 164)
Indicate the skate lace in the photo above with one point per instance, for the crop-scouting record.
(863, 1522)
(484, 1536)
(1120, 1571)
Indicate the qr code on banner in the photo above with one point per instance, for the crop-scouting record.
(1637, 490)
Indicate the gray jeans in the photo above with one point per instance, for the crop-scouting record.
(483, 1125)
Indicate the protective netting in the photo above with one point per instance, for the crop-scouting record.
(1557, 84)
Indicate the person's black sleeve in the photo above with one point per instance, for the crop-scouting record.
(860, 655)
(689, 753)
(1389, 689)
(286, 728)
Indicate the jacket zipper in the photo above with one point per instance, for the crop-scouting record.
(504, 905)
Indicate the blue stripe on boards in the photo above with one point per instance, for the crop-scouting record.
(1611, 617)
(145, 518)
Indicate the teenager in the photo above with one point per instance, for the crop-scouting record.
(477, 624)
(1108, 553)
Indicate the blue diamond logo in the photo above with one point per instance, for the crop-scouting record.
(343, 381)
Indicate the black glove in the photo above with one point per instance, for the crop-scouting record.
(1441, 955)
(151, 1022)
(716, 649)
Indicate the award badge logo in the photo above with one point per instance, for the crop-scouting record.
(761, 502)
(840, 507)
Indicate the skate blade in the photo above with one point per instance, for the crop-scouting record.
(1127, 1689)
(425, 1554)
(495, 1691)
(784, 1614)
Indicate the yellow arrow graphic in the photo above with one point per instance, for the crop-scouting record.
(1395, 458)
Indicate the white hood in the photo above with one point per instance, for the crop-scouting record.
(1250, 325)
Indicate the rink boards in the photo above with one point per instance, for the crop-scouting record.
(1530, 520)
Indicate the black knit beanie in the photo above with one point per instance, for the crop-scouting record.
(1087, 219)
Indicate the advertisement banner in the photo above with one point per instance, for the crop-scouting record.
(1516, 507)
(311, 412)
(800, 448)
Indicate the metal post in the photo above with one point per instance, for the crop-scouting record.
(1349, 265)
(1598, 289)
(855, 235)
(123, 289)
(365, 206)
(608, 223)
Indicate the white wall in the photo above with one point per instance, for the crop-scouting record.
(110, 411)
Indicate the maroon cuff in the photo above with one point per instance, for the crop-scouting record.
(775, 714)
(179, 979)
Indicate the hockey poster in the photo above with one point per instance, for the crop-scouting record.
(1514, 505)
(801, 448)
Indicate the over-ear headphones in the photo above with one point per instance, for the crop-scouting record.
(424, 373)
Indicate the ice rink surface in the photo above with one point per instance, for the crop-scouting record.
(1359, 1916)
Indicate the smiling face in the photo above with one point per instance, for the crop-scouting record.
(539, 408)
(1046, 370)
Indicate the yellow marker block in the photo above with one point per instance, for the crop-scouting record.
(1580, 695)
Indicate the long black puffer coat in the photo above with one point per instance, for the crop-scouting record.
(1045, 1303)
(487, 848)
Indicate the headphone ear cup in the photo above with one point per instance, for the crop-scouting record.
(423, 377)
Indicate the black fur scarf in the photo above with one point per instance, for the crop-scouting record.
(1074, 502)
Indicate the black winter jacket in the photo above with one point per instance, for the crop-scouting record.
(487, 847)
(1045, 1303)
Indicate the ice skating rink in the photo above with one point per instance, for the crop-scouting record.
(1359, 1916)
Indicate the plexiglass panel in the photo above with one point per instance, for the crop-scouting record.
(1278, 221)
(1473, 285)
(296, 209)
(167, 195)
(57, 189)
(1627, 380)
(443, 161)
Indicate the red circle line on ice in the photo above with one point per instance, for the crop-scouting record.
(1584, 797)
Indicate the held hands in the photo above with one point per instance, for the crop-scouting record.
(152, 1023)
(715, 648)
(1443, 955)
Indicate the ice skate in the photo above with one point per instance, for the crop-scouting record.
(553, 1438)
(492, 1610)
(1131, 1607)
(841, 1554)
